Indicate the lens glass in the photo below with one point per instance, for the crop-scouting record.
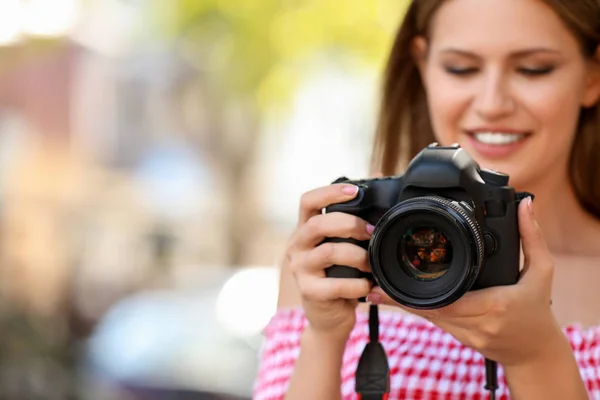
(425, 253)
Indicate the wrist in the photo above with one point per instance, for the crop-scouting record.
(552, 374)
(552, 345)
(554, 352)
(317, 371)
(335, 340)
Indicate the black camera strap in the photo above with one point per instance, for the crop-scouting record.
(373, 371)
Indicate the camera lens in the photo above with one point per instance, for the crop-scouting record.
(426, 252)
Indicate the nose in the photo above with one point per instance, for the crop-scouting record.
(493, 99)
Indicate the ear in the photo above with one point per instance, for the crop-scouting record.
(418, 50)
(592, 90)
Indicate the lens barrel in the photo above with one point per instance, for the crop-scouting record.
(426, 252)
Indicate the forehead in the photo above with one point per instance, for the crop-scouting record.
(489, 25)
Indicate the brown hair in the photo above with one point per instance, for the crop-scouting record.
(404, 127)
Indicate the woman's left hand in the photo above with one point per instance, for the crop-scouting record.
(511, 324)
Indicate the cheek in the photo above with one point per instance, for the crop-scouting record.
(555, 108)
(447, 103)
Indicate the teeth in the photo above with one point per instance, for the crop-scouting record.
(498, 138)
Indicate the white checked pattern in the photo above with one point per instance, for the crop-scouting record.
(426, 363)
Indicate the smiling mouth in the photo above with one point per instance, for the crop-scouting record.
(498, 138)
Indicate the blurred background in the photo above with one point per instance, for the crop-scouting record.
(152, 155)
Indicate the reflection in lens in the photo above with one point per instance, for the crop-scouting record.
(426, 253)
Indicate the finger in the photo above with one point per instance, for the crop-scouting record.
(537, 258)
(328, 254)
(471, 304)
(313, 202)
(327, 289)
(378, 296)
(333, 225)
(464, 334)
(477, 303)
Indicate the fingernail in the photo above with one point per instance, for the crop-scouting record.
(530, 205)
(350, 189)
(370, 229)
(374, 298)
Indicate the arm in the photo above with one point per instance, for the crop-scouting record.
(317, 372)
(328, 303)
(556, 376)
(310, 379)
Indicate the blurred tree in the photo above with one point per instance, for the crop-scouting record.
(250, 54)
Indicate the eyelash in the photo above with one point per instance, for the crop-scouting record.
(460, 71)
(524, 71)
(536, 71)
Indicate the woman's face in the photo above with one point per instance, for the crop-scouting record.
(506, 80)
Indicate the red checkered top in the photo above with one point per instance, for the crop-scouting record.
(425, 362)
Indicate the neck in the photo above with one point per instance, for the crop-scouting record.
(566, 226)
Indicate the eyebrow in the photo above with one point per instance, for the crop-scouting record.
(516, 54)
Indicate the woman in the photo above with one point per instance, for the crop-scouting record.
(517, 84)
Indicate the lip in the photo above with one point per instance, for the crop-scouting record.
(496, 151)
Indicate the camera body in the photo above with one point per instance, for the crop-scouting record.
(444, 227)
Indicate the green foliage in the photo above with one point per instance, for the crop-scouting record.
(257, 47)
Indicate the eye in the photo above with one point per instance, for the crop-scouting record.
(460, 70)
(535, 71)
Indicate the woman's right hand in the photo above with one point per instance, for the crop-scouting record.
(329, 303)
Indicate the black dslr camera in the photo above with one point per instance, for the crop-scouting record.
(444, 227)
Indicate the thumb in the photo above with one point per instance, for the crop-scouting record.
(538, 259)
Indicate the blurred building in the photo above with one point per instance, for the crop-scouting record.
(137, 198)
